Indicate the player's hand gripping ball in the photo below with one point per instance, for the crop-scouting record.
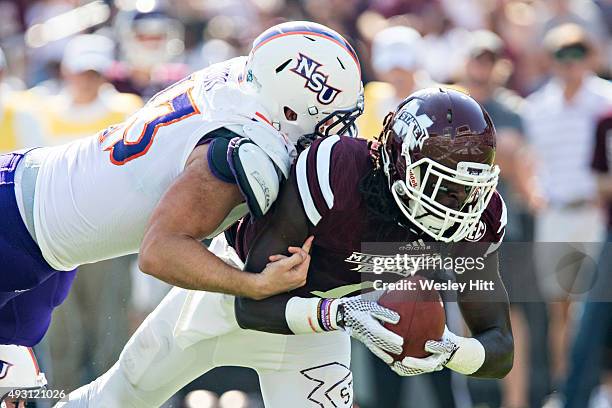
(421, 316)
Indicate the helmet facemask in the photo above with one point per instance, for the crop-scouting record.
(418, 197)
(339, 122)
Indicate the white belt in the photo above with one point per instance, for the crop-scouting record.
(26, 175)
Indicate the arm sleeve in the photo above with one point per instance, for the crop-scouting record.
(266, 315)
(285, 226)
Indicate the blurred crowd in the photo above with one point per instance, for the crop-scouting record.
(70, 68)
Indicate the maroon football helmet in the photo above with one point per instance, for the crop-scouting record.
(438, 150)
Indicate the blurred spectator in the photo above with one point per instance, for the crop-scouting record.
(581, 12)
(19, 128)
(211, 52)
(605, 8)
(91, 327)
(468, 14)
(396, 56)
(445, 44)
(151, 43)
(518, 23)
(560, 120)
(11, 23)
(45, 57)
(591, 356)
(86, 103)
(485, 73)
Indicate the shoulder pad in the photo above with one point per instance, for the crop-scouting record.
(256, 174)
(271, 141)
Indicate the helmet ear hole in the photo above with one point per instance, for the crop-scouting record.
(290, 114)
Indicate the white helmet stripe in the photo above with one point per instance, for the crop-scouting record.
(304, 189)
(323, 168)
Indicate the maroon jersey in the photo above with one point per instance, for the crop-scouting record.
(328, 176)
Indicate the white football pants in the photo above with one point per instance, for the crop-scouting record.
(191, 332)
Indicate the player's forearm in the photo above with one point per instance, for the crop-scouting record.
(286, 314)
(184, 262)
(487, 314)
(499, 352)
(266, 315)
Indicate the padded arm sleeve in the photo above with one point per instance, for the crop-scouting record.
(266, 315)
(285, 226)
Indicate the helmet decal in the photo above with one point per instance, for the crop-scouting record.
(316, 81)
(4, 369)
(305, 28)
(478, 232)
(409, 124)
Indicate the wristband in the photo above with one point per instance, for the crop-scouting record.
(311, 315)
(469, 356)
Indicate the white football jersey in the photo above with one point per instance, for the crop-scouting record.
(94, 196)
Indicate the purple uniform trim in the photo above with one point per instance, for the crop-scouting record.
(29, 287)
(213, 156)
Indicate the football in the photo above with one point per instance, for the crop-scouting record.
(421, 315)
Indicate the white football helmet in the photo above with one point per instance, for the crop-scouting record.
(19, 370)
(308, 78)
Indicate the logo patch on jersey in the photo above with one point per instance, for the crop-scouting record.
(316, 81)
(414, 255)
(4, 369)
(412, 126)
(478, 232)
(334, 385)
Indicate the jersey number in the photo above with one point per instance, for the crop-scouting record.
(171, 111)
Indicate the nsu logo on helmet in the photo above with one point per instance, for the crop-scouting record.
(316, 81)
